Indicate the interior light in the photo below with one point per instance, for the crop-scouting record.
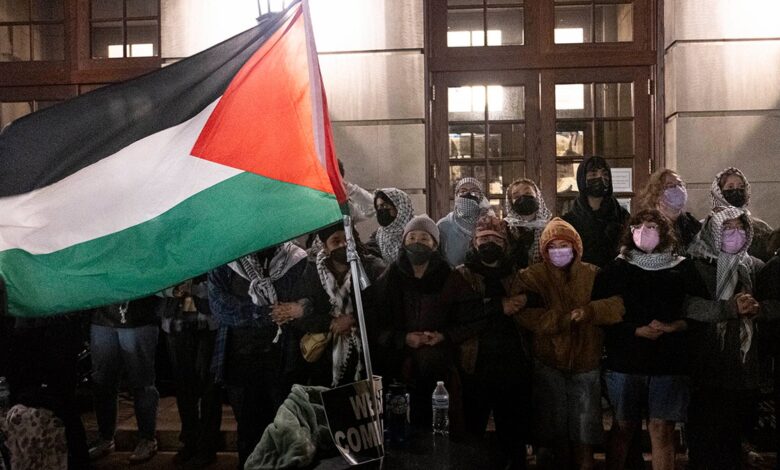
(141, 50)
(570, 96)
(569, 35)
(115, 51)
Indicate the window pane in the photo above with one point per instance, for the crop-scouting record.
(47, 10)
(464, 2)
(505, 26)
(566, 183)
(501, 174)
(465, 28)
(461, 171)
(573, 138)
(572, 24)
(467, 141)
(11, 111)
(505, 102)
(14, 10)
(614, 99)
(615, 138)
(504, 2)
(48, 42)
(466, 103)
(142, 38)
(107, 40)
(141, 8)
(614, 23)
(573, 100)
(14, 43)
(506, 141)
(103, 9)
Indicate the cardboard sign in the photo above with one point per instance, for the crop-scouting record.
(355, 420)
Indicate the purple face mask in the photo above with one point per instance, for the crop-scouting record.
(733, 240)
(561, 257)
(676, 197)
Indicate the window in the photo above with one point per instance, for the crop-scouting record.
(272, 6)
(587, 21)
(476, 23)
(31, 30)
(124, 28)
(12, 110)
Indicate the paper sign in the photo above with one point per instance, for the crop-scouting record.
(625, 202)
(355, 420)
(622, 180)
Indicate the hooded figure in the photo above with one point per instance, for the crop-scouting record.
(597, 216)
(391, 220)
(567, 343)
(730, 188)
(727, 371)
(457, 228)
(526, 216)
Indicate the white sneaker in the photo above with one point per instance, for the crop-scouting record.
(144, 451)
(101, 448)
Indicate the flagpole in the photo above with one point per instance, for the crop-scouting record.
(359, 282)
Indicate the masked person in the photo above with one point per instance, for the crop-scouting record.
(730, 188)
(527, 215)
(647, 367)
(666, 192)
(726, 370)
(326, 290)
(567, 345)
(254, 358)
(496, 365)
(457, 228)
(424, 313)
(393, 210)
(597, 216)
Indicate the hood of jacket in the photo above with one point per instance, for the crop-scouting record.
(559, 229)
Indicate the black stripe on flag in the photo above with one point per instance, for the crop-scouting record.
(49, 145)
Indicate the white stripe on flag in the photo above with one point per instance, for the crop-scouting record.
(136, 184)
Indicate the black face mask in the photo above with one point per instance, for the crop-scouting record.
(418, 253)
(735, 197)
(597, 187)
(384, 217)
(339, 255)
(525, 205)
(490, 252)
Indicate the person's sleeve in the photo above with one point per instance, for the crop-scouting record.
(223, 303)
(542, 321)
(467, 314)
(361, 202)
(604, 311)
(316, 315)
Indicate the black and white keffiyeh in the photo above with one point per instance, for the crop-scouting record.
(389, 238)
(651, 261)
(536, 221)
(340, 296)
(717, 195)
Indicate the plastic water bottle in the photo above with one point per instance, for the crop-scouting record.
(440, 402)
(5, 394)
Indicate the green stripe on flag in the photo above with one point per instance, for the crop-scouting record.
(238, 216)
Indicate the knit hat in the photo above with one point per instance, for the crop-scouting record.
(490, 225)
(559, 229)
(424, 223)
(471, 180)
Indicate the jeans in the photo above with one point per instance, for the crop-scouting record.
(198, 398)
(131, 349)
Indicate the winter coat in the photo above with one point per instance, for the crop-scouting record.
(685, 229)
(600, 230)
(454, 240)
(557, 342)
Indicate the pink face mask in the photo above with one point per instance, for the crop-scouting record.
(561, 257)
(733, 240)
(646, 239)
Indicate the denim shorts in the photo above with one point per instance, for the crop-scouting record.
(664, 397)
(568, 405)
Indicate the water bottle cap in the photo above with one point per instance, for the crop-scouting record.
(440, 383)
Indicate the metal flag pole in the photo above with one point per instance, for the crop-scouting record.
(359, 279)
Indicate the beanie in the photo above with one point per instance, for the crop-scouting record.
(424, 223)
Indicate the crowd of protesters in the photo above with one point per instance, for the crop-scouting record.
(534, 320)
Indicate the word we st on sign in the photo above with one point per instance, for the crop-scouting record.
(354, 414)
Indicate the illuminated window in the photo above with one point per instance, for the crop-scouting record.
(496, 25)
(125, 28)
(595, 21)
(272, 6)
(31, 30)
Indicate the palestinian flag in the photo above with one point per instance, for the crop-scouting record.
(138, 186)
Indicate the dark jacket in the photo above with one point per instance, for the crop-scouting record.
(600, 230)
(317, 314)
(685, 229)
(768, 288)
(140, 312)
(647, 296)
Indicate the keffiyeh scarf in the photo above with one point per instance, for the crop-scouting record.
(389, 238)
(536, 222)
(717, 195)
(651, 261)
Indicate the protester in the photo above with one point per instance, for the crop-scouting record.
(456, 229)
(666, 192)
(567, 345)
(496, 365)
(393, 210)
(597, 216)
(326, 290)
(425, 312)
(730, 188)
(726, 370)
(527, 215)
(124, 339)
(191, 332)
(254, 357)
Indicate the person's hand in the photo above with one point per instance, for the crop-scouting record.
(648, 332)
(514, 304)
(416, 339)
(432, 338)
(579, 315)
(342, 324)
(284, 312)
(747, 306)
(672, 327)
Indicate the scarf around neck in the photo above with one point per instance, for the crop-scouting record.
(536, 222)
(262, 277)
(716, 194)
(651, 261)
(390, 238)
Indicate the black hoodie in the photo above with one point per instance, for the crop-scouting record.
(600, 230)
